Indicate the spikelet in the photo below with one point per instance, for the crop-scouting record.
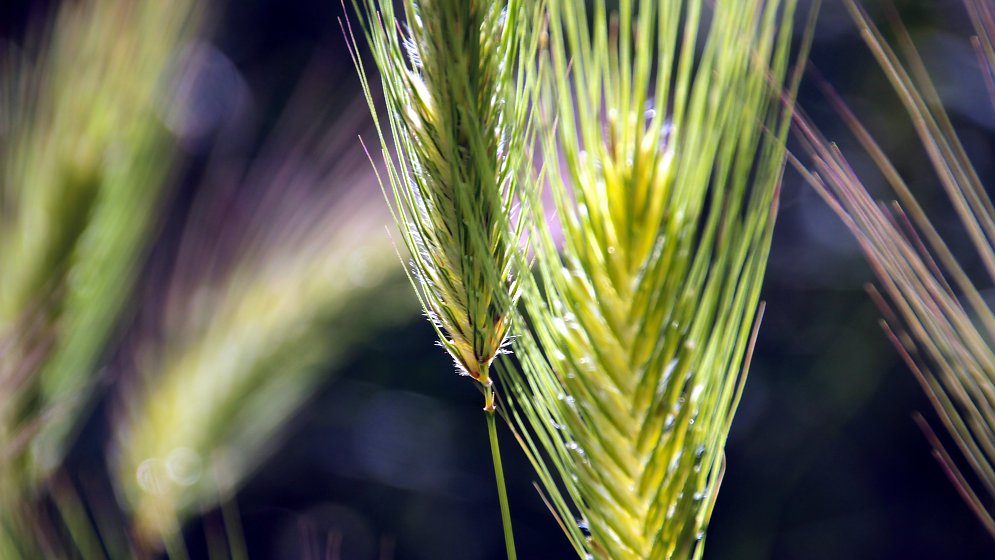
(457, 116)
(664, 165)
(933, 313)
(259, 312)
(83, 158)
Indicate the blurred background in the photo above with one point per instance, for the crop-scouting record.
(386, 456)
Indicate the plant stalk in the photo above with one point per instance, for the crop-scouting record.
(509, 538)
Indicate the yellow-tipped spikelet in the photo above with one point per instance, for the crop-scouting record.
(457, 115)
(663, 139)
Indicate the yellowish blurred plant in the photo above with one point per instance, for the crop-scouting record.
(258, 312)
(83, 158)
(664, 147)
(933, 312)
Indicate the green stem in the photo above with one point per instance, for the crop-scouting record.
(509, 538)
(233, 529)
(176, 549)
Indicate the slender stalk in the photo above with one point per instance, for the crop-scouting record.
(233, 529)
(176, 549)
(509, 537)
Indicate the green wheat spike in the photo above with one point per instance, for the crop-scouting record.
(663, 139)
(458, 146)
(458, 149)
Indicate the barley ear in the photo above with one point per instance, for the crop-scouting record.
(459, 121)
(256, 317)
(664, 166)
(457, 142)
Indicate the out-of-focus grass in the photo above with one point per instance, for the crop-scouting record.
(933, 308)
(83, 163)
(283, 268)
(257, 311)
(83, 159)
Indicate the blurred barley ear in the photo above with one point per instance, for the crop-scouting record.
(933, 311)
(663, 140)
(259, 312)
(83, 160)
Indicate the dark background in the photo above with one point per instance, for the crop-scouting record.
(824, 459)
